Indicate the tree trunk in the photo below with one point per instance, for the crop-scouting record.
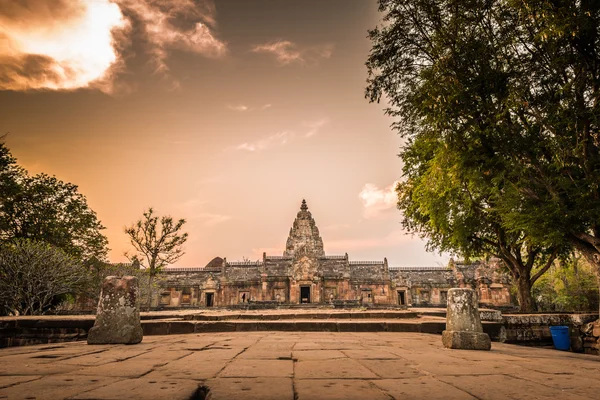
(521, 275)
(526, 300)
(149, 291)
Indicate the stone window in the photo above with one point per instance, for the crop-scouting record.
(165, 298)
(443, 296)
(280, 294)
(186, 295)
(367, 296)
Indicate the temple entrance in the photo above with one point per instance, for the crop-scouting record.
(209, 299)
(304, 294)
(402, 297)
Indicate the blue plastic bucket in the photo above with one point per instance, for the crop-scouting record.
(560, 337)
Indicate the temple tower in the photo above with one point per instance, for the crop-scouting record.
(304, 235)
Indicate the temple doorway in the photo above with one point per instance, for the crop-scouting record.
(401, 297)
(304, 294)
(209, 299)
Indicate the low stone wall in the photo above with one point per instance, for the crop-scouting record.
(534, 329)
(590, 338)
(24, 331)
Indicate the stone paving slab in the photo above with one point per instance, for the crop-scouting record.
(294, 366)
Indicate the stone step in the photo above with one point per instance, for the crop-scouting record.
(304, 315)
(155, 327)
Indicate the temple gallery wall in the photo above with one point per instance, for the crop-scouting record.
(305, 274)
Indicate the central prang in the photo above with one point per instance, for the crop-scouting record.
(304, 236)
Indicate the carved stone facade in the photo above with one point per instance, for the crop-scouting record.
(305, 274)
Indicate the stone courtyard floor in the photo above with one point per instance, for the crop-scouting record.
(294, 366)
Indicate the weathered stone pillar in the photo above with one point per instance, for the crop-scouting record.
(463, 325)
(118, 315)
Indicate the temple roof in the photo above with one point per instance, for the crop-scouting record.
(304, 235)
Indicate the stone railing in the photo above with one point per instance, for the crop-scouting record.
(418, 268)
(278, 258)
(366, 263)
(188, 269)
(244, 263)
(121, 264)
(332, 258)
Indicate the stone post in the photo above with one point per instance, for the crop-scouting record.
(118, 315)
(463, 325)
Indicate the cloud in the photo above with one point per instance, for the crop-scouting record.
(376, 200)
(175, 25)
(59, 44)
(243, 107)
(73, 44)
(278, 139)
(239, 107)
(315, 126)
(287, 52)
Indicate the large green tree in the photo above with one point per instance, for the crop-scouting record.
(555, 101)
(498, 100)
(44, 208)
(455, 208)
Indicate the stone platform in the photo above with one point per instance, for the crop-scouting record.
(18, 331)
(294, 366)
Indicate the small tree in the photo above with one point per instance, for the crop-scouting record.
(33, 275)
(158, 242)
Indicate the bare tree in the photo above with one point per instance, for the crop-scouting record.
(34, 274)
(158, 242)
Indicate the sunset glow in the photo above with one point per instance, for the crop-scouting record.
(225, 113)
(67, 47)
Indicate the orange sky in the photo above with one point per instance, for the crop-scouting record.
(226, 113)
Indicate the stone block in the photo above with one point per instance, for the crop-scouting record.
(180, 327)
(463, 323)
(596, 329)
(204, 327)
(576, 344)
(155, 328)
(432, 327)
(402, 327)
(118, 315)
(466, 340)
(462, 314)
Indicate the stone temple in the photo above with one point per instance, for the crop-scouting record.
(305, 274)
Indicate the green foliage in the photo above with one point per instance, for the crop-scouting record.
(44, 208)
(33, 276)
(476, 88)
(572, 286)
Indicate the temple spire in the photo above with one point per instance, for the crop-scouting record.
(304, 236)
